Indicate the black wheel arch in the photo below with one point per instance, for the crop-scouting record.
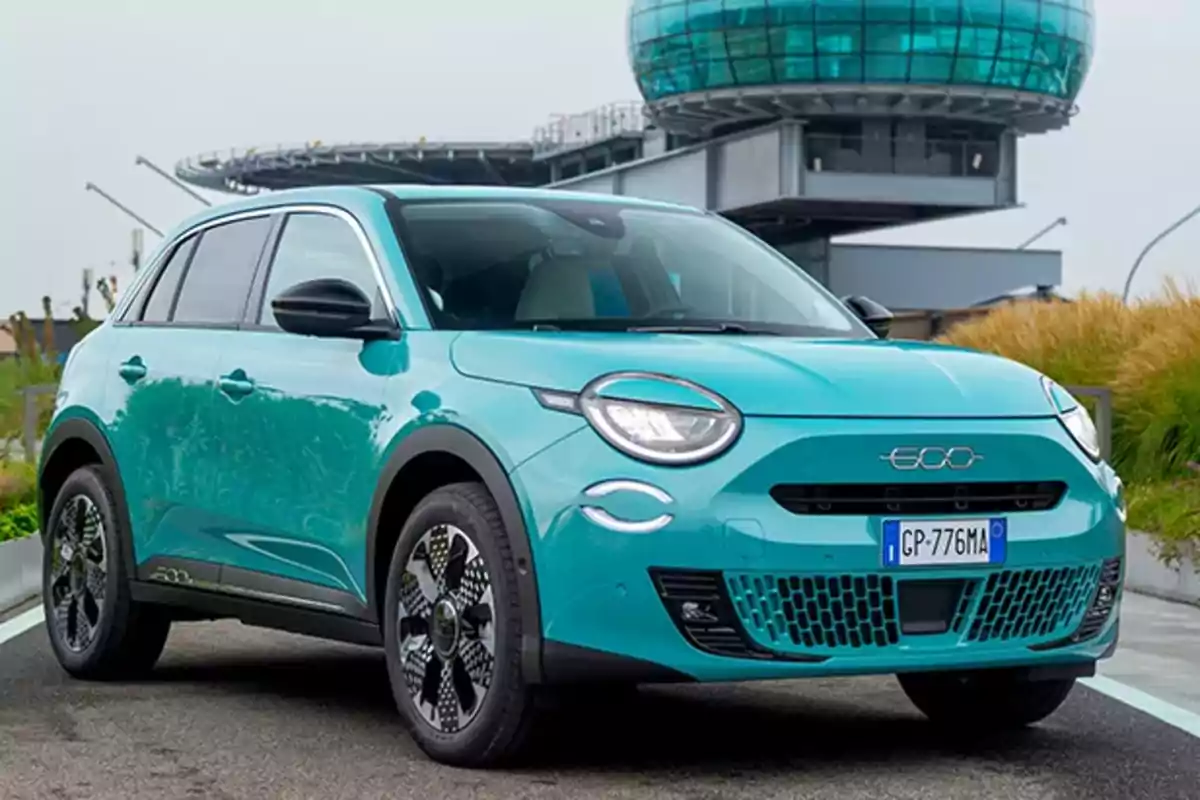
(76, 443)
(451, 440)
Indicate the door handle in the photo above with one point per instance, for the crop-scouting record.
(133, 370)
(236, 384)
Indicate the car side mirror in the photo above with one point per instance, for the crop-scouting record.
(874, 316)
(328, 307)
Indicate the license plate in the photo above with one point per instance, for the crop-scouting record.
(930, 543)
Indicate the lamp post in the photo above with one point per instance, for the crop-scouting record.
(142, 161)
(1042, 232)
(91, 187)
(1153, 243)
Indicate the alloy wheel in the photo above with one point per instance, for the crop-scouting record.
(78, 573)
(447, 634)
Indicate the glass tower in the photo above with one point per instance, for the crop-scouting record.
(1043, 47)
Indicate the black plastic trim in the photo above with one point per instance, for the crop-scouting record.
(262, 272)
(210, 576)
(458, 442)
(260, 613)
(87, 432)
(564, 663)
(726, 624)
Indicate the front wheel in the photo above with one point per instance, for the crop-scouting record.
(985, 701)
(452, 630)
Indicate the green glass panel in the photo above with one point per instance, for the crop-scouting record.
(753, 71)
(678, 46)
(795, 70)
(886, 69)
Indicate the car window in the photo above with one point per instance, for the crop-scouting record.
(313, 246)
(162, 293)
(222, 269)
(599, 265)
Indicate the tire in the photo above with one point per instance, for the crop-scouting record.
(452, 571)
(984, 702)
(96, 630)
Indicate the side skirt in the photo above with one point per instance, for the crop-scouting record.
(201, 604)
(204, 590)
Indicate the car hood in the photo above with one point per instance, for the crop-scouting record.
(771, 376)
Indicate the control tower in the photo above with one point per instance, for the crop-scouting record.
(801, 120)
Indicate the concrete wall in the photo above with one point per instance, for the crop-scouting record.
(937, 277)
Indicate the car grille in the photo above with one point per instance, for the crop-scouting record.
(1032, 603)
(818, 616)
(862, 499)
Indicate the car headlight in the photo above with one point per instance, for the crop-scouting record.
(1074, 417)
(655, 432)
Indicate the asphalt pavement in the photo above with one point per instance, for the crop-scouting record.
(237, 712)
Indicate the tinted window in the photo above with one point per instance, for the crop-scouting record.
(607, 266)
(162, 295)
(222, 269)
(314, 246)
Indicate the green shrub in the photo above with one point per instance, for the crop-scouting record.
(18, 522)
(17, 484)
(1170, 509)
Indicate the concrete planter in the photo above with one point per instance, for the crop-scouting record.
(1146, 574)
(20, 570)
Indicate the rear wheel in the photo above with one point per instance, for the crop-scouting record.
(994, 700)
(452, 630)
(96, 629)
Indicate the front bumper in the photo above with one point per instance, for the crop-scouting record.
(736, 587)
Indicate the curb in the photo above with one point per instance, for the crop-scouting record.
(20, 570)
(1146, 574)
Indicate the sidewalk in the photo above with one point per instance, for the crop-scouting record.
(1159, 652)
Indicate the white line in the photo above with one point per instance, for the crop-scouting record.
(1183, 719)
(21, 623)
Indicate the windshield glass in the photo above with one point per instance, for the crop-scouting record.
(579, 265)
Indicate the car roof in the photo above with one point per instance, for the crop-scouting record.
(415, 192)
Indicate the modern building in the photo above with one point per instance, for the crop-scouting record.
(803, 120)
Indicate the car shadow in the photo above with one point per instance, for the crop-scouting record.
(712, 729)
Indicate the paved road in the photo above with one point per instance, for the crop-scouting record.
(235, 712)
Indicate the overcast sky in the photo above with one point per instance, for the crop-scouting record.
(87, 85)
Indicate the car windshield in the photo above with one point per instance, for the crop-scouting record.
(550, 264)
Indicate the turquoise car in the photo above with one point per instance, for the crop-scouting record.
(539, 443)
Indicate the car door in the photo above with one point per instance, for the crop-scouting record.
(300, 416)
(160, 396)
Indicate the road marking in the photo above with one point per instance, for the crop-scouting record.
(21, 623)
(1185, 720)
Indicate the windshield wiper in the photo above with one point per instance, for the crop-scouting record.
(724, 327)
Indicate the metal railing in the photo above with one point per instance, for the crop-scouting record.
(828, 152)
(574, 130)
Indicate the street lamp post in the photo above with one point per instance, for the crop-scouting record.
(142, 161)
(1154, 243)
(91, 187)
(1042, 232)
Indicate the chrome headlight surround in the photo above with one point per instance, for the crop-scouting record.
(657, 433)
(1075, 418)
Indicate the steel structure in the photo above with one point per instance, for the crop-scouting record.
(800, 119)
(246, 171)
